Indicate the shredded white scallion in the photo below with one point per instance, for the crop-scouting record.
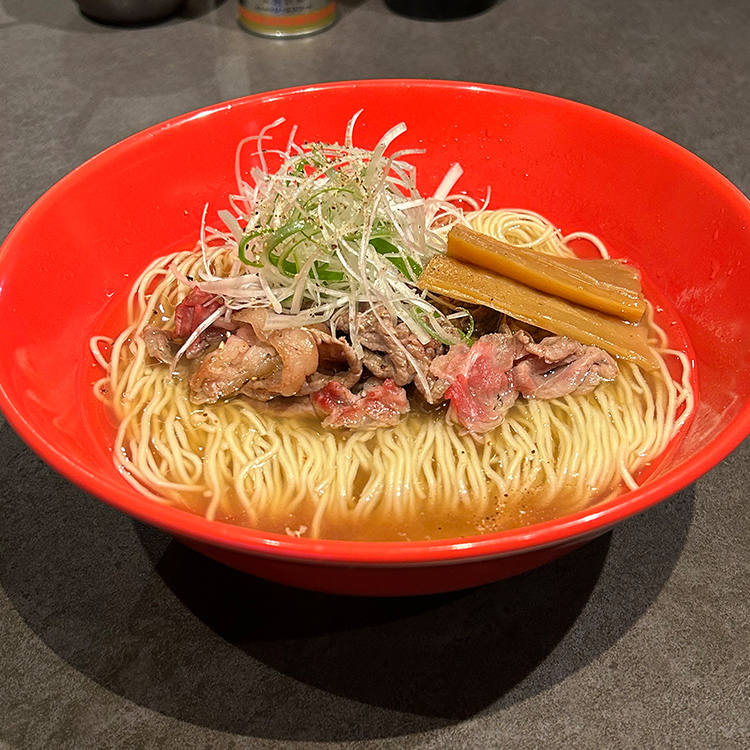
(321, 228)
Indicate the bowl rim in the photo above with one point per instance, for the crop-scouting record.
(564, 530)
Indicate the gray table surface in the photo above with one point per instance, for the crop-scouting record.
(113, 636)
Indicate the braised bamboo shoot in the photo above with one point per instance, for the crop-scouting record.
(468, 283)
(591, 284)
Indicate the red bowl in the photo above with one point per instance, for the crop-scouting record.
(88, 237)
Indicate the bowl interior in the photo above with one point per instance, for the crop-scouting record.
(87, 239)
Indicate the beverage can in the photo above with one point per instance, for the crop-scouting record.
(285, 18)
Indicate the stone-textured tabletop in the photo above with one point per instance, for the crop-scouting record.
(114, 636)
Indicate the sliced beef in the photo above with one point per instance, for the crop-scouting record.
(477, 381)
(158, 344)
(298, 351)
(311, 356)
(552, 349)
(386, 344)
(208, 339)
(224, 371)
(558, 366)
(336, 361)
(381, 336)
(380, 403)
(296, 361)
(247, 333)
(483, 382)
(295, 346)
(378, 364)
(192, 311)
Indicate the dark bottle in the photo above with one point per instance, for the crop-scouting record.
(439, 9)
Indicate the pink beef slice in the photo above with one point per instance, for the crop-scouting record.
(380, 403)
(558, 366)
(192, 311)
(479, 389)
(483, 382)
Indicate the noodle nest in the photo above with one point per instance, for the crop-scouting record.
(236, 462)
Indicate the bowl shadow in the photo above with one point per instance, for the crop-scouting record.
(177, 633)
